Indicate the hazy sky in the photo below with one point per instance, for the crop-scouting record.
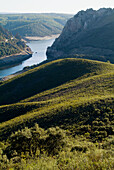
(59, 6)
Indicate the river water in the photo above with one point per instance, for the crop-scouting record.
(39, 54)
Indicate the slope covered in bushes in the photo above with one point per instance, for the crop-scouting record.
(58, 115)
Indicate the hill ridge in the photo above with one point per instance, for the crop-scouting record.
(31, 85)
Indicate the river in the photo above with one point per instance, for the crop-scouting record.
(39, 54)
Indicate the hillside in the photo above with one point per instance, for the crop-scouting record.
(39, 25)
(12, 49)
(43, 78)
(77, 84)
(10, 44)
(74, 112)
(4, 34)
(89, 34)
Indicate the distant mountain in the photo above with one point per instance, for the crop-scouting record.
(89, 34)
(34, 24)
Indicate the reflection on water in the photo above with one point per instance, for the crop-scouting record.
(39, 55)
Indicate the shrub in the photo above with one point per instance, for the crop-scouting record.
(35, 141)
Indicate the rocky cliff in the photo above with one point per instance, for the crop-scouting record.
(89, 33)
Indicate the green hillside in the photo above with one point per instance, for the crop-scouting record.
(34, 24)
(43, 78)
(4, 34)
(85, 82)
(71, 100)
(9, 44)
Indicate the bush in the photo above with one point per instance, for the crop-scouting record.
(35, 141)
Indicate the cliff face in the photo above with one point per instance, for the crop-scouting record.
(89, 32)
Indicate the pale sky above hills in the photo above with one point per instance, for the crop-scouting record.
(58, 6)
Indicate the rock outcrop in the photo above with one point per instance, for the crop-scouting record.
(89, 32)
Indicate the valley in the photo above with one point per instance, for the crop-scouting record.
(59, 112)
(38, 55)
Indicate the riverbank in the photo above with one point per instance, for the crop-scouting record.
(12, 75)
(15, 59)
(32, 38)
(37, 58)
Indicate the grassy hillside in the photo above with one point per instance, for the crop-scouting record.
(85, 81)
(74, 112)
(34, 24)
(43, 78)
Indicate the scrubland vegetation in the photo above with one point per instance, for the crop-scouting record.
(59, 115)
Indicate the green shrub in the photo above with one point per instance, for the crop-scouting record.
(34, 140)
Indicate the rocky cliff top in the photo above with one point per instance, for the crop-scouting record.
(85, 20)
(84, 25)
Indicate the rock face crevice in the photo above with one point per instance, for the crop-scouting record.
(89, 32)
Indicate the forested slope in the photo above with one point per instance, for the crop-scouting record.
(34, 24)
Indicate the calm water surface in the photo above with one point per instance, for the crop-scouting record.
(39, 55)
